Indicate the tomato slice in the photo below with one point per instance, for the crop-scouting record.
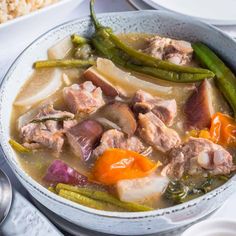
(117, 164)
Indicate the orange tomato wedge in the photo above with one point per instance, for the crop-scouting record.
(117, 164)
(223, 130)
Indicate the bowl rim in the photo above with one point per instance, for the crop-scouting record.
(16, 168)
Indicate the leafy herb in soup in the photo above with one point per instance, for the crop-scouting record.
(127, 122)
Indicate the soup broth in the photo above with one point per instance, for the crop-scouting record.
(37, 163)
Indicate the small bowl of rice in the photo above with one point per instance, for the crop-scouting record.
(11, 9)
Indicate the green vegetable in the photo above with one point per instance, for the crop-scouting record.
(176, 191)
(103, 196)
(18, 147)
(63, 63)
(168, 75)
(52, 189)
(76, 197)
(111, 47)
(225, 79)
(78, 39)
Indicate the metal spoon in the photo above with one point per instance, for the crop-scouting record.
(5, 196)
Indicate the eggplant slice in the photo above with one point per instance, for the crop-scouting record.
(199, 108)
(84, 137)
(120, 114)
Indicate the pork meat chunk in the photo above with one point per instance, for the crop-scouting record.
(176, 51)
(43, 135)
(84, 98)
(199, 156)
(165, 110)
(154, 132)
(46, 129)
(116, 139)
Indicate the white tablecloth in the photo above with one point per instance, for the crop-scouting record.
(9, 52)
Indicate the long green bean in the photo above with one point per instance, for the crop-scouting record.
(76, 197)
(75, 38)
(63, 63)
(168, 75)
(18, 147)
(103, 196)
(225, 79)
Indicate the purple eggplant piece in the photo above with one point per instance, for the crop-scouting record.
(199, 107)
(84, 137)
(60, 172)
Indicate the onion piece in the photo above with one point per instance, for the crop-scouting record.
(107, 123)
(132, 83)
(147, 151)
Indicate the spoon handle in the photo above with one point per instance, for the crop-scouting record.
(25, 219)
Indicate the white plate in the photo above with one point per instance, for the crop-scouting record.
(21, 30)
(219, 12)
(216, 227)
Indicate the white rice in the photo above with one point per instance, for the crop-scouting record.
(10, 9)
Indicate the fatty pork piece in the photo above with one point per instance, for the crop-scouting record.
(84, 98)
(45, 130)
(84, 137)
(92, 74)
(141, 189)
(199, 108)
(116, 139)
(154, 132)
(176, 51)
(199, 156)
(165, 110)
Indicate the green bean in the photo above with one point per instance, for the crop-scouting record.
(18, 147)
(76, 197)
(52, 189)
(103, 196)
(75, 38)
(111, 47)
(63, 63)
(225, 79)
(168, 75)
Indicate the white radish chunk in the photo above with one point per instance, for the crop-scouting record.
(61, 49)
(128, 81)
(43, 84)
(140, 189)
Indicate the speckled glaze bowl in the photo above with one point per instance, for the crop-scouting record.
(160, 22)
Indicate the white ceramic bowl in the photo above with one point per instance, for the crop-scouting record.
(161, 22)
(214, 227)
